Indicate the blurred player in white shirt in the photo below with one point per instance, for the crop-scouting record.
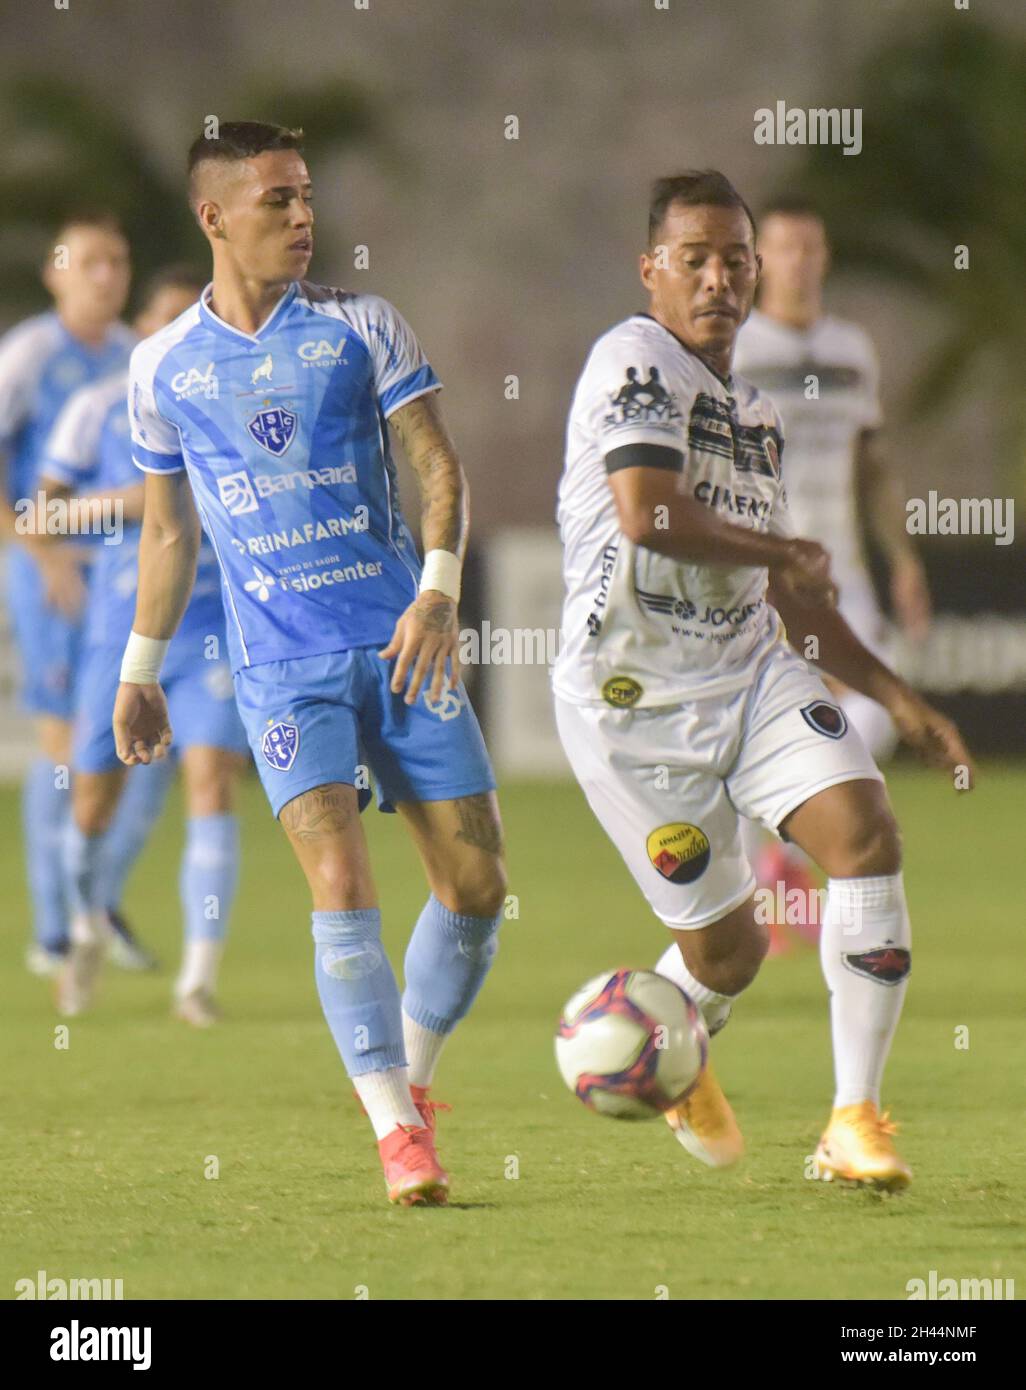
(823, 375)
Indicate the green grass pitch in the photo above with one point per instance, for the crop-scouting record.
(105, 1143)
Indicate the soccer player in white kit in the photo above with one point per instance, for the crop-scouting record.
(679, 702)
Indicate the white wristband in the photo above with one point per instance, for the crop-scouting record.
(143, 659)
(442, 571)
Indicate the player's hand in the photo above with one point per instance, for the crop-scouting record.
(910, 597)
(62, 579)
(142, 729)
(934, 737)
(425, 638)
(805, 574)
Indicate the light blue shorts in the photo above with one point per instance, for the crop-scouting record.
(320, 719)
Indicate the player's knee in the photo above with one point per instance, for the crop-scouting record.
(210, 784)
(872, 849)
(339, 886)
(92, 811)
(474, 890)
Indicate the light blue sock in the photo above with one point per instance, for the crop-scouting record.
(45, 812)
(142, 801)
(83, 869)
(209, 876)
(358, 991)
(447, 960)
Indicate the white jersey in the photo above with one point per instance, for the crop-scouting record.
(641, 629)
(822, 432)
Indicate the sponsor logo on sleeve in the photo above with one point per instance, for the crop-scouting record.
(642, 402)
(680, 852)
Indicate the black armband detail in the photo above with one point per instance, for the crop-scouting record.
(645, 456)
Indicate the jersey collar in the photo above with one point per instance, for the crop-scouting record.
(268, 326)
(726, 382)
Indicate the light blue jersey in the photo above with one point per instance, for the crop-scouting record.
(89, 450)
(41, 365)
(283, 434)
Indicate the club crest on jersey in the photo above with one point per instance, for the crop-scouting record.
(279, 745)
(274, 429)
(825, 719)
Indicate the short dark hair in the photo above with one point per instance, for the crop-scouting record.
(88, 217)
(172, 277)
(240, 140)
(693, 188)
(790, 205)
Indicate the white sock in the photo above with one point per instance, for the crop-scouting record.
(864, 950)
(387, 1100)
(199, 967)
(714, 1008)
(89, 928)
(423, 1049)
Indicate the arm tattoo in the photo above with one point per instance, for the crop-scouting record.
(479, 825)
(323, 811)
(443, 488)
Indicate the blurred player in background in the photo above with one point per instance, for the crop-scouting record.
(42, 362)
(266, 408)
(89, 456)
(679, 702)
(823, 375)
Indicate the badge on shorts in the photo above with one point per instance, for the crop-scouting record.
(825, 719)
(279, 745)
(679, 851)
(621, 692)
(448, 707)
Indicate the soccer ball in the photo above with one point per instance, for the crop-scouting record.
(631, 1044)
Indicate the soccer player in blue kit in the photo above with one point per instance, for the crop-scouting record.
(42, 362)
(89, 455)
(265, 409)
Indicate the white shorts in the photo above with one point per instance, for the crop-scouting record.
(668, 785)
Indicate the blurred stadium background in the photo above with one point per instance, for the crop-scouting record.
(510, 255)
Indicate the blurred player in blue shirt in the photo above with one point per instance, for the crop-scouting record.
(265, 409)
(42, 362)
(90, 455)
